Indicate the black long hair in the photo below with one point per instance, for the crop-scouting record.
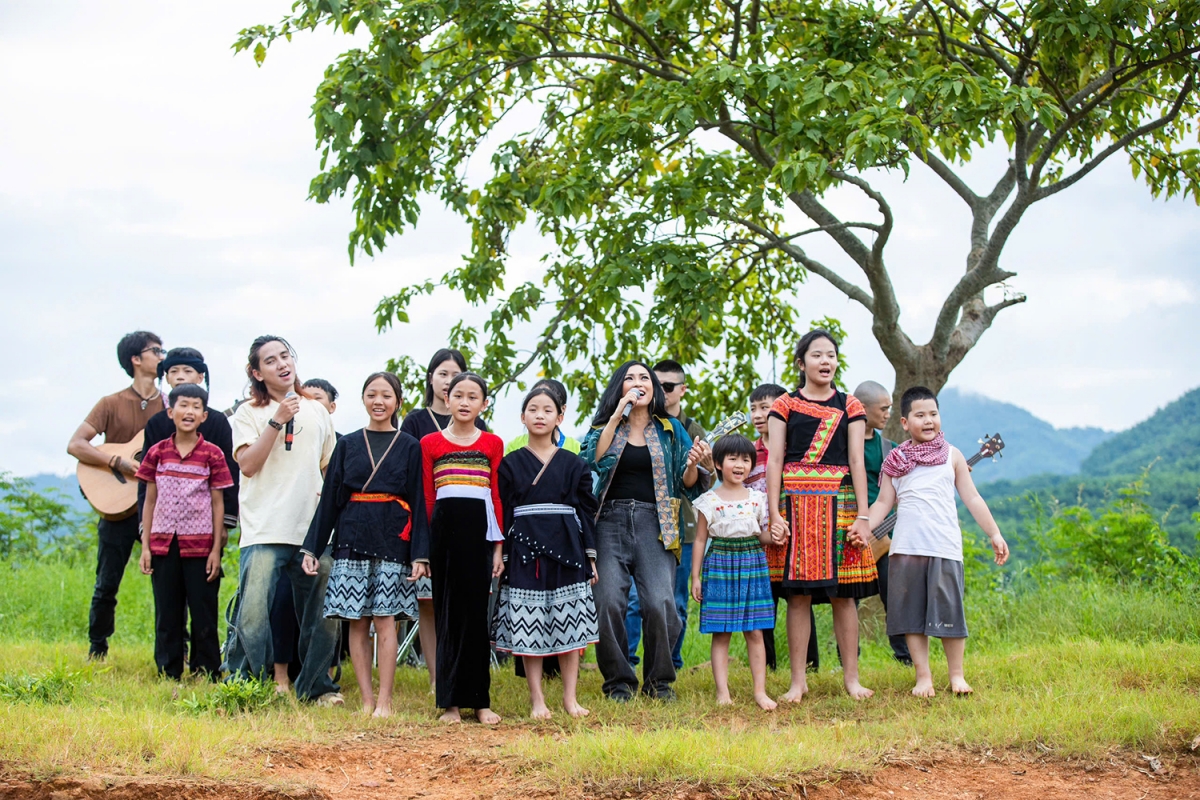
(388, 378)
(441, 356)
(616, 390)
(806, 341)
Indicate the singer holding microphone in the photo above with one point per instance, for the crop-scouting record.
(645, 462)
(282, 441)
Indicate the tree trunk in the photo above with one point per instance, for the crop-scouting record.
(923, 370)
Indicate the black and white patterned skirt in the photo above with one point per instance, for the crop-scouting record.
(545, 622)
(360, 588)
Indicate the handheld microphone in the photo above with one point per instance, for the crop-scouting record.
(629, 406)
(288, 433)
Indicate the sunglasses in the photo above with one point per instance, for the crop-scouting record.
(669, 387)
(158, 351)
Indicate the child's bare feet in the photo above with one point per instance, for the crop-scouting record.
(539, 712)
(451, 715)
(765, 702)
(858, 691)
(723, 699)
(796, 693)
(960, 686)
(368, 709)
(487, 716)
(924, 687)
(382, 712)
(575, 710)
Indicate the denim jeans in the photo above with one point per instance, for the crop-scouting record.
(633, 617)
(899, 645)
(628, 548)
(115, 543)
(250, 654)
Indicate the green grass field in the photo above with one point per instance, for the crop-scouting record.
(1078, 670)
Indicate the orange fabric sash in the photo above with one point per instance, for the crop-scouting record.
(383, 497)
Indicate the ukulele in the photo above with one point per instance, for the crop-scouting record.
(881, 536)
(111, 492)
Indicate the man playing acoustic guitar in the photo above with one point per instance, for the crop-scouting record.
(120, 417)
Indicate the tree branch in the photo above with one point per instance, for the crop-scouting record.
(943, 171)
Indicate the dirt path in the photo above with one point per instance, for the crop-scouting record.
(463, 763)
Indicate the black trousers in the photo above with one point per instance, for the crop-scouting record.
(813, 657)
(899, 645)
(180, 584)
(115, 543)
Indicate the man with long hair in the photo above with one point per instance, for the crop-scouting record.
(282, 440)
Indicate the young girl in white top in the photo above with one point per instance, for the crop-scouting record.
(731, 582)
(925, 582)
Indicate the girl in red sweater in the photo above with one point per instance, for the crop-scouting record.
(463, 500)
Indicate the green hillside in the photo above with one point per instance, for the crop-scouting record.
(1172, 436)
(1034, 446)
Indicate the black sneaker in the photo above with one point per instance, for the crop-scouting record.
(663, 693)
(619, 695)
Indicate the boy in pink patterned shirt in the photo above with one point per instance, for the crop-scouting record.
(182, 535)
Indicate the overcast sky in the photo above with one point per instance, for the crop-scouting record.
(151, 179)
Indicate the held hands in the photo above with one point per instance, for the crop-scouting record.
(310, 565)
(289, 407)
(779, 529)
(860, 533)
(212, 567)
(595, 575)
(497, 563)
(1001, 548)
(144, 562)
(419, 570)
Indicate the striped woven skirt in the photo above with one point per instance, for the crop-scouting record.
(736, 588)
(369, 587)
(821, 507)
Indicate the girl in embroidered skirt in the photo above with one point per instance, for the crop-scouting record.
(816, 466)
(546, 606)
(731, 581)
(463, 498)
(373, 504)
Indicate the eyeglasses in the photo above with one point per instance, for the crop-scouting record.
(669, 387)
(158, 351)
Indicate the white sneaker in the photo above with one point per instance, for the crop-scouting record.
(330, 699)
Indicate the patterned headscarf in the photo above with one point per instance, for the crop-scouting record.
(910, 454)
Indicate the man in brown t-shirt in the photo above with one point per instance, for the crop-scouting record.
(120, 417)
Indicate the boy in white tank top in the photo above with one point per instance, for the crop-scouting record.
(925, 586)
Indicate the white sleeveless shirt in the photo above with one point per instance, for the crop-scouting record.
(926, 516)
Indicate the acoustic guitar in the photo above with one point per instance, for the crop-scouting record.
(882, 540)
(111, 492)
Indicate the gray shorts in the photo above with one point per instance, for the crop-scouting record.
(925, 596)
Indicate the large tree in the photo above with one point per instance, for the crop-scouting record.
(665, 140)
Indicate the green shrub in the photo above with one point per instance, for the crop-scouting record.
(234, 696)
(57, 687)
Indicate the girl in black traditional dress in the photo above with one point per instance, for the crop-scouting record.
(546, 606)
(373, 498)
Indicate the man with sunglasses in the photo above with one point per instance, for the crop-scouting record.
(120, 417)
(674, 384)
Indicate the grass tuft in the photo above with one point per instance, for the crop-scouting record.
(236, 696)
(58, 686)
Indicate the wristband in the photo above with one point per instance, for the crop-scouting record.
(114, 462)
(860, 516)
(276, 425)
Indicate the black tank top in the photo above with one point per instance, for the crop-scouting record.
(633, 478)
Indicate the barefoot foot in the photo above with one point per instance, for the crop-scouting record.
(451, 716)
(575, 710)
(487, 716)
(960, 686)
(368, 709)
(858, 691)
(795, 694)
(723, 699)
(382, 712)
(924, 688)
(765, 702)
(540, 712)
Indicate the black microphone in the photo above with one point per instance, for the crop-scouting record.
(629, 406)
(287, 429)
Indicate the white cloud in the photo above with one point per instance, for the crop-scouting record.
(154, 180)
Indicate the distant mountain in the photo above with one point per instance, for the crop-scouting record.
(66, 484)
(1033, 446)
(1172, 436)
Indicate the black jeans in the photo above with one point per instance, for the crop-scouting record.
(180, 587)
(116, 541)
(899, 645)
